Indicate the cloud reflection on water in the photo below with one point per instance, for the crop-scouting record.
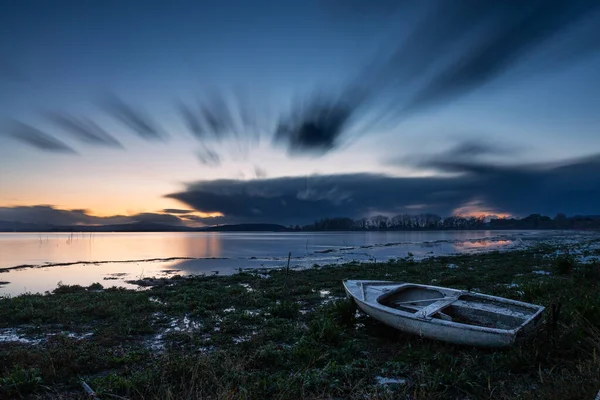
(225, 253)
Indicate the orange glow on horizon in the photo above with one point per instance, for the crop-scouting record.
(482, 214)
(199, 214)
(206, 215)
(478, 210)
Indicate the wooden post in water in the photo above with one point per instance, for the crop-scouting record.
(287, 270)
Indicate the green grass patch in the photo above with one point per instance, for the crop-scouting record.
(245, 337)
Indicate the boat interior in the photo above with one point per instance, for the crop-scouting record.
(458, 307)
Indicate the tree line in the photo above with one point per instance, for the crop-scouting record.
(407, 222)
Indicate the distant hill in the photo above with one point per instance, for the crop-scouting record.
(8, 226)
(135, 227)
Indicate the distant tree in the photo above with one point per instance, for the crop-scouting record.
(449, 222)
(432, 221)
(380, 222)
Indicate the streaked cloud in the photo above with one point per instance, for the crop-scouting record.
(40, 140)
(453, 49)
(498, 36)
(84, 130)
(209, 157)
(133, 117)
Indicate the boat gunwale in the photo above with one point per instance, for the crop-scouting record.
(395, 312)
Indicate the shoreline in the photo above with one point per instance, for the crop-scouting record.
(122, 272)
(249, 335)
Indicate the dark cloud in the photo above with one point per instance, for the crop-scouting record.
(572, 187)
(85, 130)
(465, 150)
(38, 139)
(134, 118)
(315, 125)
(300, 200)
(46, 214)
(471, 148)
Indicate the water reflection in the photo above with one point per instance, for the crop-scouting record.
(207, 253)
(206, 246)
(36, 249)
(482, 244)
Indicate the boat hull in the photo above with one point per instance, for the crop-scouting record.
(444, 330)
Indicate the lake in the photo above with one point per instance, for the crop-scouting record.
(114, 258)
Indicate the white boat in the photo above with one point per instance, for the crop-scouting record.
(446, 314)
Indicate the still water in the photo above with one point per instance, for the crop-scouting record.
(114, 258)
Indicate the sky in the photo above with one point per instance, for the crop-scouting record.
(209, 112)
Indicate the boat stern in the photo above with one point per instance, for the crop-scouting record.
(531, 326)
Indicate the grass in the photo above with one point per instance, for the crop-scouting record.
(242, 337)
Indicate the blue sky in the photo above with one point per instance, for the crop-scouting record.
(67, 57)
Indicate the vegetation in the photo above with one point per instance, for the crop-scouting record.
(244, 337)
(435, 222)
